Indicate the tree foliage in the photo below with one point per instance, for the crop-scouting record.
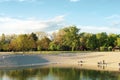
(71, 37)
(65, 39)
(43, 44)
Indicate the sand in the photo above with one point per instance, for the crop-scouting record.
(93, 60)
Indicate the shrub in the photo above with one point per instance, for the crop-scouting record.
(110, 48)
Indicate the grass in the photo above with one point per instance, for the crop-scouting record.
(44, 52)
(52, 52)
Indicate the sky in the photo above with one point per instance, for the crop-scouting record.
(26, 16)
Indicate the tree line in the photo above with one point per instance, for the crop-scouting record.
(66, 39)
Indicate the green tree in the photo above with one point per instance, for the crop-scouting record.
(33, 36)
(43, 44)
(13, 45)
(58, 40)
(84, 41)
(3, 38)
(91, 42)
(102, 39)
(2, 43)
(22, 43)
(118, 42)
(71, 37)
(33, 39)
(54, 46)
(112, 40)
(41, 35)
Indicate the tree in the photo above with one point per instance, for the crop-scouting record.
(22, 43)
(118, 42)
(33, 36)
(43, 44)
(58, 40)
(3, 38)
(13, 45)
(91, 42)
(112, 40)
(5, 47)
(4, 43)
(41, 35)
(71, 37)
(102, 39)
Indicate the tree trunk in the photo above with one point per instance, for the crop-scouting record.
(73, 48)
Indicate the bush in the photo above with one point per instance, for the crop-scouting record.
(102, 48)
(110, 48)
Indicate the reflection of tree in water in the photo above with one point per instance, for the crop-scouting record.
(21, 74)
(25, 74)
(77, 74)
(1, 73)
(66, 73)
(61, 74)
(98, 75)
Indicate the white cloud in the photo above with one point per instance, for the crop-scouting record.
(115, 23)
(74, 0)
(98, 29)
(10, 25)
(113, 20)
(115, 16)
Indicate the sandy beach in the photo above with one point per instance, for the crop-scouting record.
(108, 61)
(93, 60)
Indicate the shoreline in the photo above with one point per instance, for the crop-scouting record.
(89, 60)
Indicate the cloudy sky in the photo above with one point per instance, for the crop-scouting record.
(25, 16)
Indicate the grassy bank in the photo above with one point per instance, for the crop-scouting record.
(45, 52)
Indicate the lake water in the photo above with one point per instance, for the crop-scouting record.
(57, 74)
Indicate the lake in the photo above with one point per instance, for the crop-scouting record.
(55, 73)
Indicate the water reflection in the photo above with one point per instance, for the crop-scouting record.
(58, 74)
